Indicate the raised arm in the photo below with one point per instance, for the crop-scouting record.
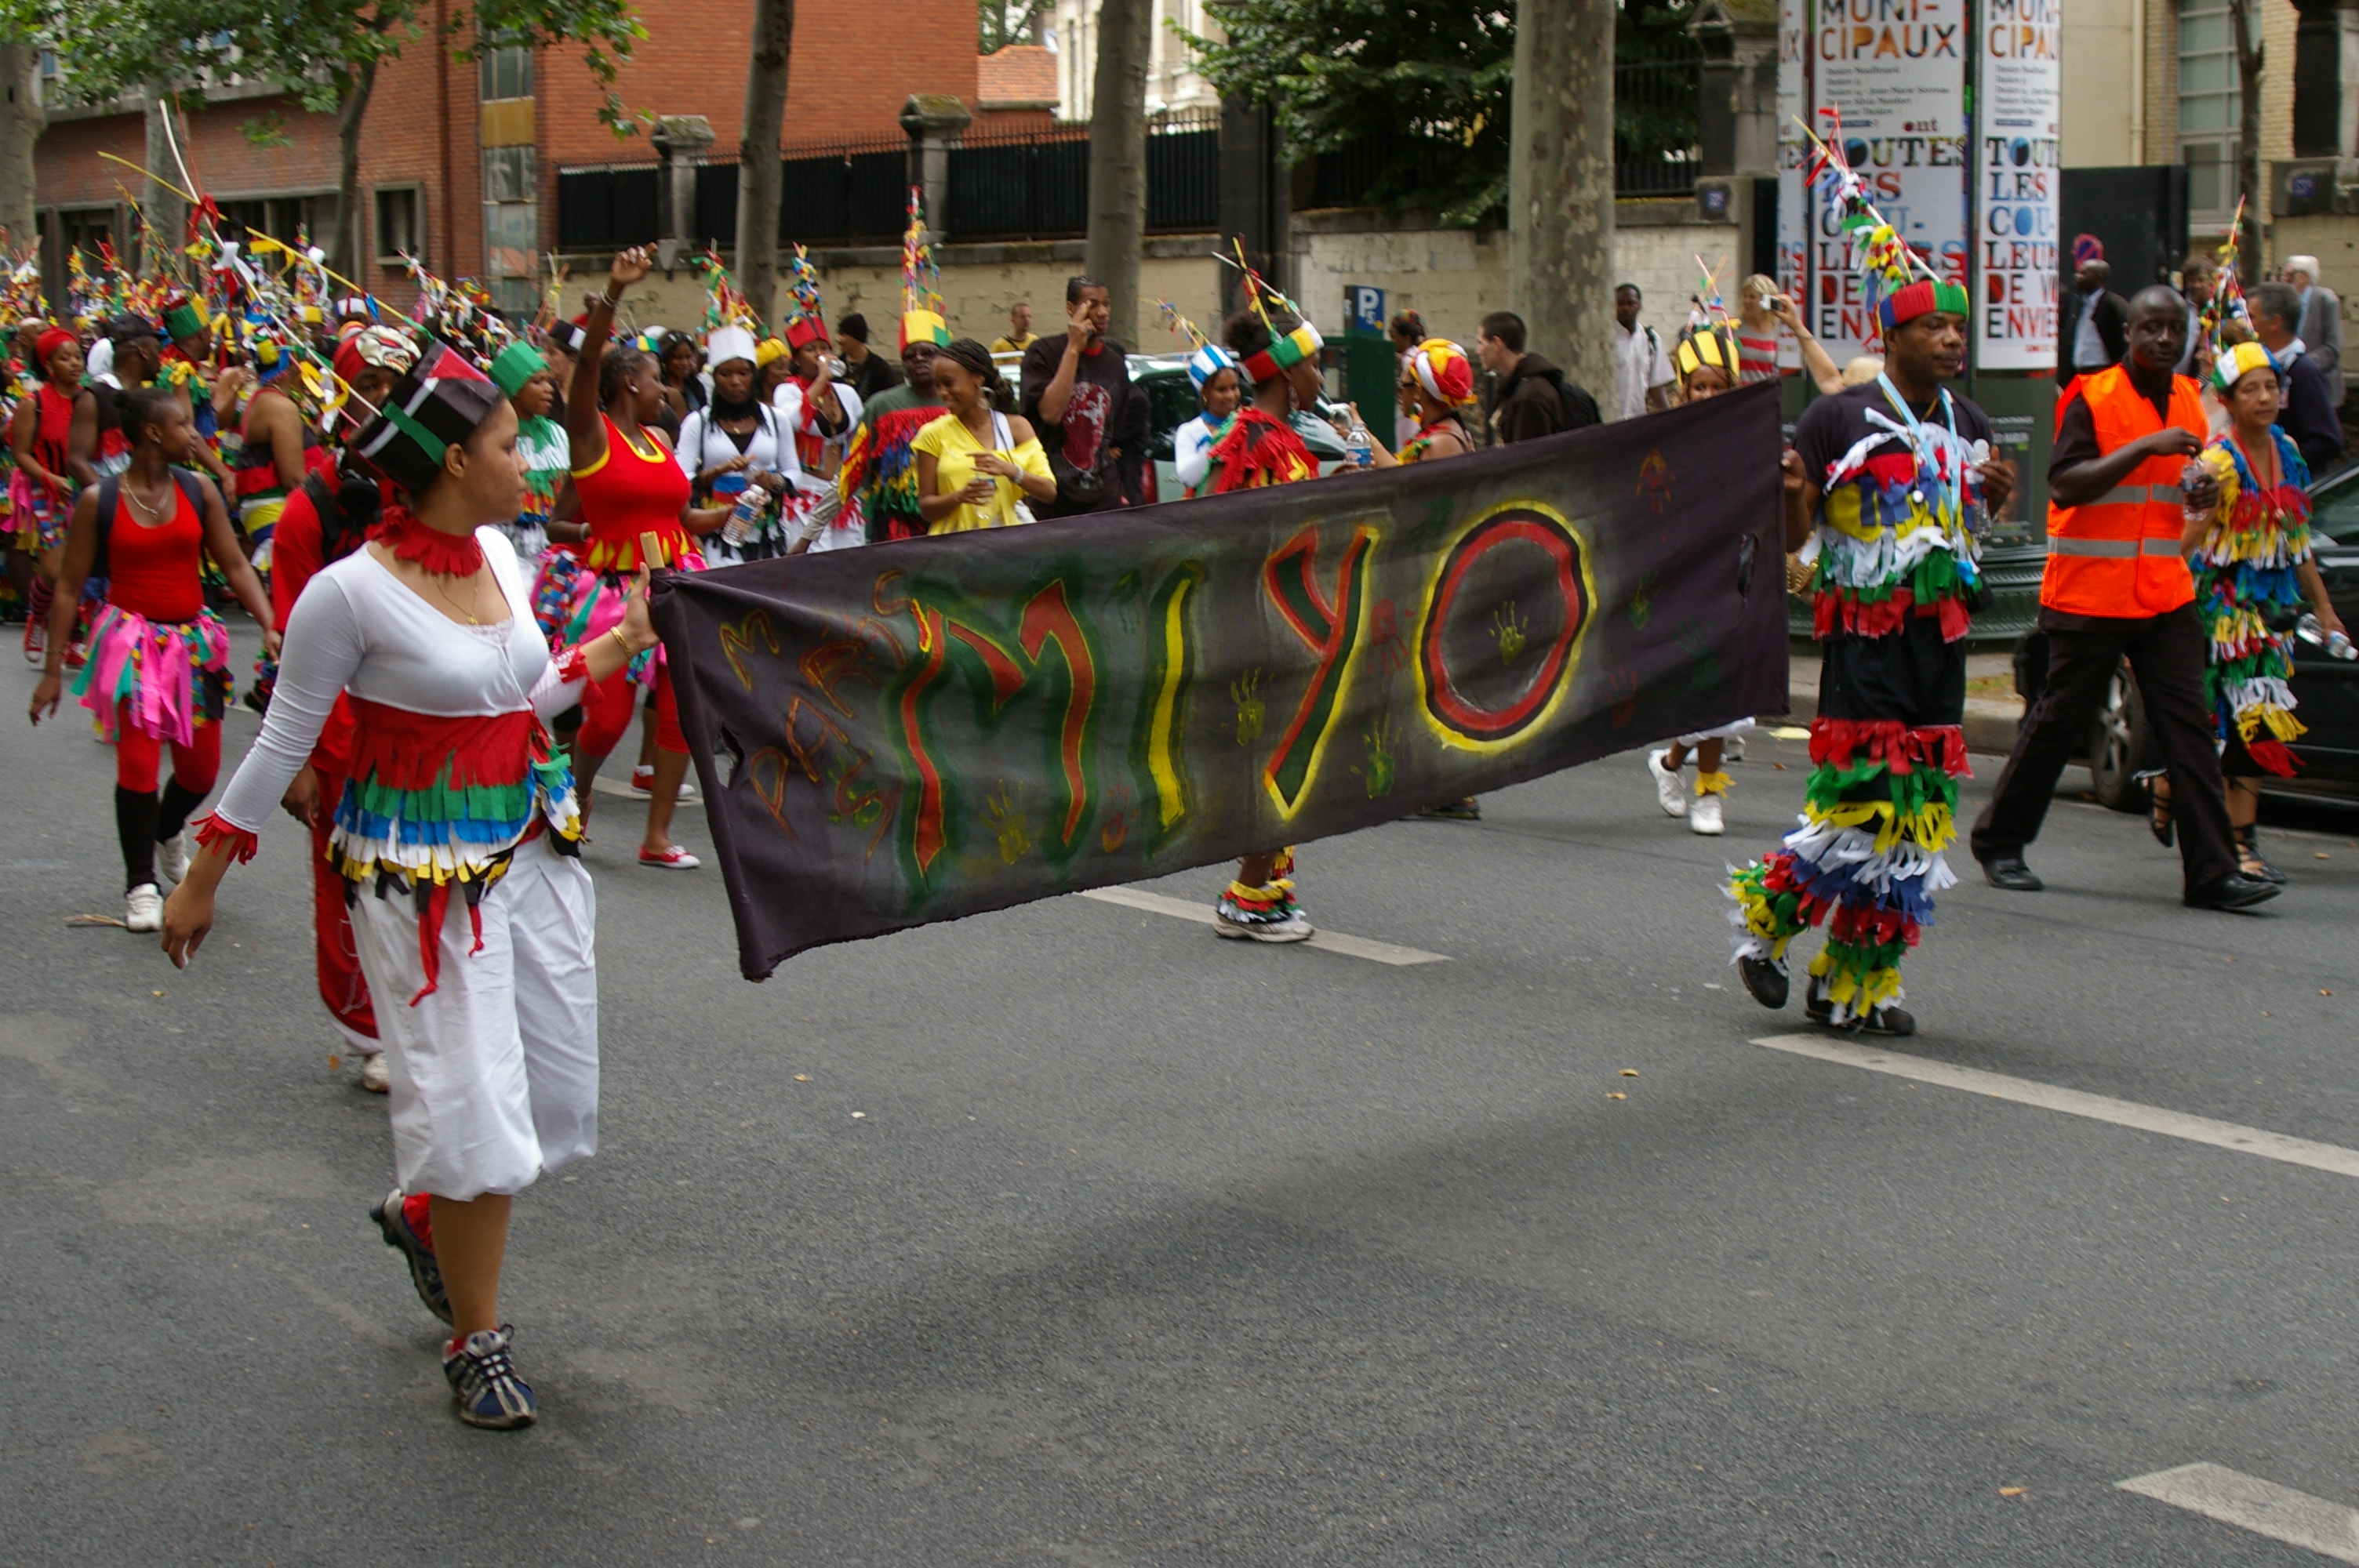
(585, 423)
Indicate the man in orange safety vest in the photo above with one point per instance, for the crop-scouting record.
(2117, 584)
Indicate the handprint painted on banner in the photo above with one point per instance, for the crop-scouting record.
(1511, 630)
(1624, 686)
(1004, 815)
(1378, 739)
(1246, 691)
(1387, 650)
(1655, 482)
(1641, 607)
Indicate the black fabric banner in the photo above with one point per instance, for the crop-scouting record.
(909, 732)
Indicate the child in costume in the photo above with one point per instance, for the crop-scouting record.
(1214, 374)
(1708, 364)
(458, 836)
(1258, 447)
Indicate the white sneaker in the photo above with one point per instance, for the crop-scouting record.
(1704, 816)
(1668, 788)
(172, 857)
(373, 1076)
(143, 908)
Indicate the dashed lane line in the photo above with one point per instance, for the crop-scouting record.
(2226, 1135)
(1333, 941)
(2250, 1503)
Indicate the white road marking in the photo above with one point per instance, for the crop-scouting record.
(2072, 1102)
(2250, 1503)
(1334, 940)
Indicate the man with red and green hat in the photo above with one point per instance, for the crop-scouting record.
(1887, 485)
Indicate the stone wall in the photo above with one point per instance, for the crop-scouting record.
(1453, 277)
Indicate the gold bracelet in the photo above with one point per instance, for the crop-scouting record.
(621, 642)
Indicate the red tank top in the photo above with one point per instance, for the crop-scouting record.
(154, 571)
(53, 431)
(628, 492)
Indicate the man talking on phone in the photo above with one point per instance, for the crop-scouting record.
(1075, 385)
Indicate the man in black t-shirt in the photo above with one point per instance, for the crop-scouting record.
(1884, 478)
(1075, 388)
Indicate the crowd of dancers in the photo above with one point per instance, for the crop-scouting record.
(445, 527)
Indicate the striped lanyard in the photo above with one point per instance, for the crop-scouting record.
(1923, 443)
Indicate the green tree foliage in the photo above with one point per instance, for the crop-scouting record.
(1417, 89)
(1001, 23)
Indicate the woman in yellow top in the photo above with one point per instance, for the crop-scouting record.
(975, 466)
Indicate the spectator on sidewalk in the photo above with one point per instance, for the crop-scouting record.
(1761, 312)
(1076, 388)
(2321, 328)
(1533, 397)
(2309, 416)
(870, 373)
(1642, 367)
(2095, 332)
(2195, 283)
(1020, 335)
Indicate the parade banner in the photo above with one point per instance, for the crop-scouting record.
(909, 732)
(2018, 141)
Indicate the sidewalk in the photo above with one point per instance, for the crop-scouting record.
(1992, 711)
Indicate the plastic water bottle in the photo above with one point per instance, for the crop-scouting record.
(746, 516)
(1358, 448)
(2336, 644)
(2190, 479)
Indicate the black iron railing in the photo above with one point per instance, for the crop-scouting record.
(1656, 128)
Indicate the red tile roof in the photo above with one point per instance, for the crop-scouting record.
(1020, 73)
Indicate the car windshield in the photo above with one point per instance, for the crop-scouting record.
(2336, 508)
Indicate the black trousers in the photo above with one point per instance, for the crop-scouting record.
(2166, 654)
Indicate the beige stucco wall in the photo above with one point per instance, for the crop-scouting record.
(2100, 98)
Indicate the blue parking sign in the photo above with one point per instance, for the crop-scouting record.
(1368, 307)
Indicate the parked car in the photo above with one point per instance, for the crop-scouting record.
(2328, 687)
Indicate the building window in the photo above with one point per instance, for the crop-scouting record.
(512, 226)
(400, 222)
(505, 73)
(308, 219)
(2209, 106)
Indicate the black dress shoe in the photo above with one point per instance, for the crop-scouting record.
(2234, 891)
(1765, 978)
(1895, 1020)
(2009, 872)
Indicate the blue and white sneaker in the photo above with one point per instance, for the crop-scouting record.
(424, 1271)
(485, 1380)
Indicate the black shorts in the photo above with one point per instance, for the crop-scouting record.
(1911, 676)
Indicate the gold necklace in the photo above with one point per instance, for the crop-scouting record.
(463, 609)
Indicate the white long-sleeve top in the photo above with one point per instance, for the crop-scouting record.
(1191, 451)
(360, 629)
(771, 448)
(793, 408)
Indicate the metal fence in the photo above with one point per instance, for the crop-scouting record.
(1656, 128)
(1031, 182)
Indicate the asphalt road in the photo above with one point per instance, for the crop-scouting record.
(1073, 1235)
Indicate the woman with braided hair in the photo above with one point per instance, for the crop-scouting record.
(977, 468)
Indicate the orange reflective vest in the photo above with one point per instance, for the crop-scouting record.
(2119, 555)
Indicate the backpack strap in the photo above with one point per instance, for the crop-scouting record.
(110, 496)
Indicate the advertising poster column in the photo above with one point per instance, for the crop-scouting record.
(2016, 169)
(1793, 158)
(1897, 71)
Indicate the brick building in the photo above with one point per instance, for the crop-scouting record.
(459, 160)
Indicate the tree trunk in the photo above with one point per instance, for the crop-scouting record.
(348, 256)
(1118, 159)
(22, 120)
(2254, 264)
(759, 172)
(163, 216)
(1561, 188)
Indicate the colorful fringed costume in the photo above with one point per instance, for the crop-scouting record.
(1253, 450)
(1896, 552)
(880, 473)
(2247, 570)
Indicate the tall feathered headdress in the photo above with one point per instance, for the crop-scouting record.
(922, 296)
(1898, 283)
